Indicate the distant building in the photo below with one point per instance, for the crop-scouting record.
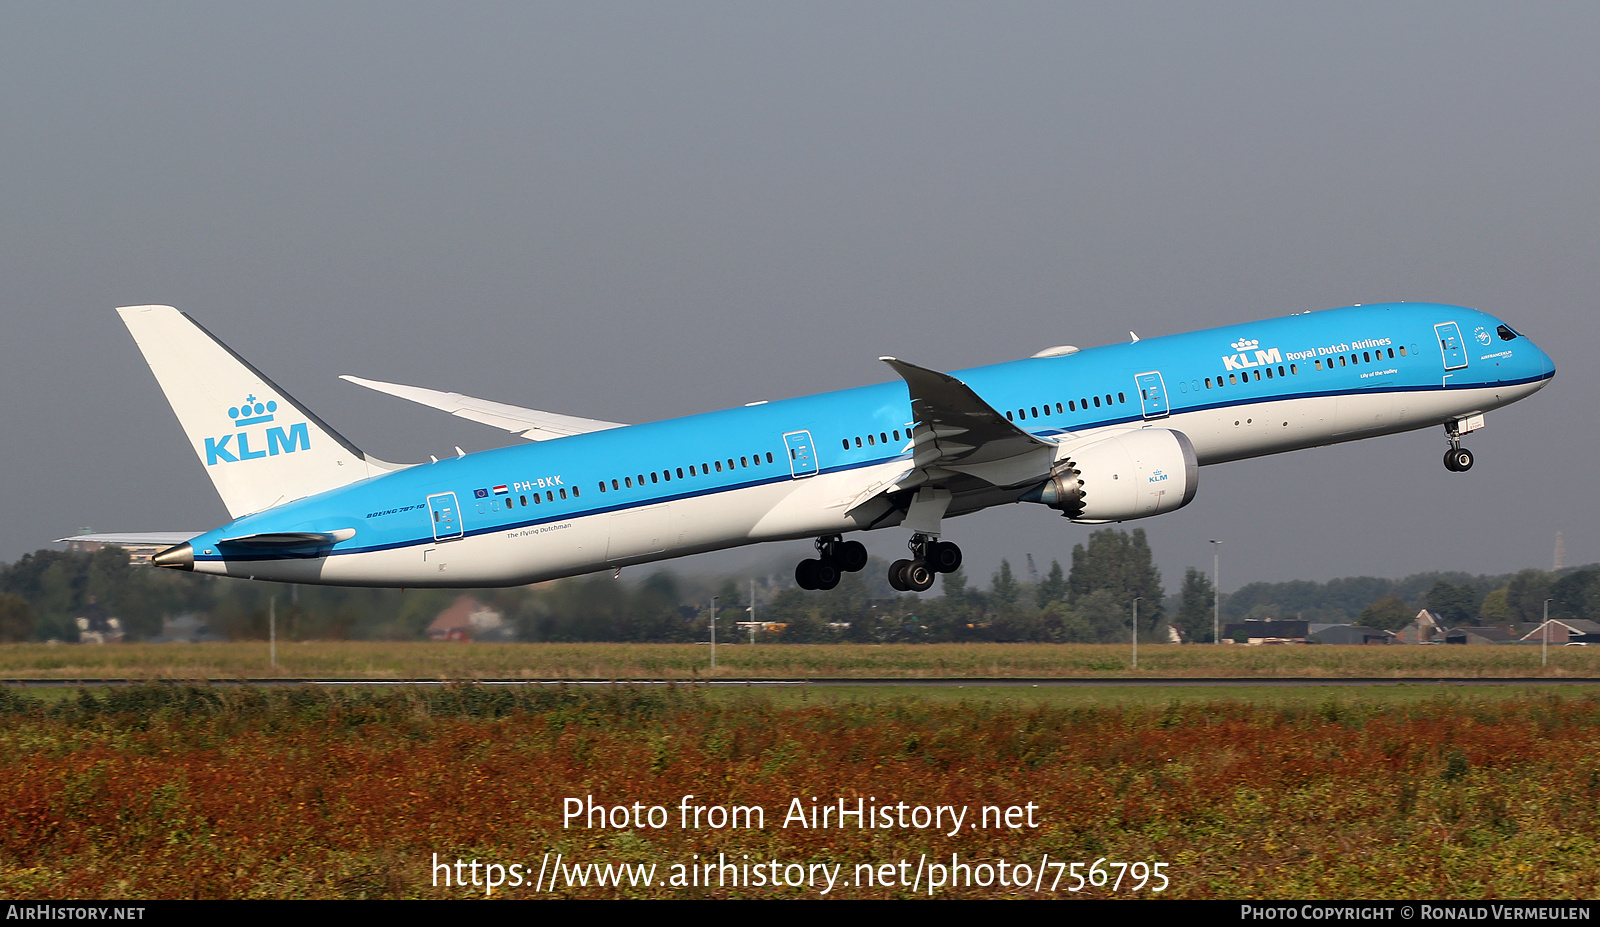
(139, 547)
(96, 625)
(1267, 632)
(1467, 634)
(1426, 628)
(1562, 631)
(1349, 634)
(467, 619)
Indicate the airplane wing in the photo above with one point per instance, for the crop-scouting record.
(959, 432)
(531, 424)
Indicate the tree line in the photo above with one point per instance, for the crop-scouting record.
(1091, 600)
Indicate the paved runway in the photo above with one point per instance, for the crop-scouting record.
(876, 681)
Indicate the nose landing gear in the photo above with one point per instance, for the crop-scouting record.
(835, 556)
(1458, 459)
(930, 557)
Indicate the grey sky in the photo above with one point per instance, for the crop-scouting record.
(637, 211)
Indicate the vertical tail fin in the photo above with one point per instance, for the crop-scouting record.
(260, 447)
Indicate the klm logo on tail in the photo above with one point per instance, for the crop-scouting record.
(277, 440)
(1243, 359)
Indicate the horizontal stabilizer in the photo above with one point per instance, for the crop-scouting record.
(529, 423)
(132, 538)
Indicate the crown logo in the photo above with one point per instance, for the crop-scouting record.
(251, 412)
(1246, 344)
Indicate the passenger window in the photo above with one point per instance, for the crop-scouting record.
(1402, 350)
(1120, 398)
(536, 499)
(870, 441)
(1058, 408)
(1341, 361)
(769, 457)
(897, 434)
(743, 462)
(628, 481)
(1208, 382)
(858, 440)
(719, 463)
(1280, 370)
(1391, 353)
(883, 438)
(1269, 373)
(575, 492)
(654, 478)
(1072, 405)
(563, 493)
(791, 453)
(680, 473)
(524, 500)
(1258, 375)
(1293, 369)
(614, 485)
(1097, 402)
(1233, 379)
(1366, 357)
(550, 495)
(730, 463)
(602, 485)
(1035, 411)
(1009, 416)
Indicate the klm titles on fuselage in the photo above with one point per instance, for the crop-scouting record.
(276, 440)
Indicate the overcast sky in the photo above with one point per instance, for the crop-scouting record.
(637, 211)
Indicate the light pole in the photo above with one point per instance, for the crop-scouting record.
(713, 634)
(1136, 630)
(1216, 591)
(1544, 649)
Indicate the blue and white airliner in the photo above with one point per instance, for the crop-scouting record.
(1103, 434)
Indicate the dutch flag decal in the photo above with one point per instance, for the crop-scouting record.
(501, 490)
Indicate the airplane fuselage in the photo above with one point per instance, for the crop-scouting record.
(805, 467)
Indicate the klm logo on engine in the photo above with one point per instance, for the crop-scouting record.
(1245, 359)
(235, 447)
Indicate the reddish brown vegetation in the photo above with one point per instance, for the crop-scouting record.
(190, 793)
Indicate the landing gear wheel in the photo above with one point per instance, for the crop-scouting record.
(851, 556)
(897, 575)
(1458, 460)
(805, 574)
(826, 574)
(918, 576)
(944, 557)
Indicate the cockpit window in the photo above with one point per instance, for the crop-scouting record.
(1506, 334)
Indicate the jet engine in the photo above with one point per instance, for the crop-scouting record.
(1134, 474)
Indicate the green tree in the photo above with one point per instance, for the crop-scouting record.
(1456, 605)
(16, 618)
(1120, 564)
(1196, 601)
(1390, 613)
(1054, 586)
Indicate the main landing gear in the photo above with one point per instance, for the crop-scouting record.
(835, 556)
(1458, 459)
(929, 557)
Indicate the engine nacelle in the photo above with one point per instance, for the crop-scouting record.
(1134, 474)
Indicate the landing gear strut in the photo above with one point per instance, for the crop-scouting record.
(835, 556)
(1458, 459)
(929, 557)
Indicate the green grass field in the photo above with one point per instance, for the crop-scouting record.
(379, 660)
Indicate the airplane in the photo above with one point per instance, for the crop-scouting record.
(1103, 434)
